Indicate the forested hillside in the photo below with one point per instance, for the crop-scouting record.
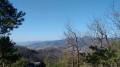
(52, 53)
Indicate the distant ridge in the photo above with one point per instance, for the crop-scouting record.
(42, 45)
(56, 43)
(26, 43)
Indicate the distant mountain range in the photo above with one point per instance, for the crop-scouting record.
(26, 43)
(56, 43)
(42, 45)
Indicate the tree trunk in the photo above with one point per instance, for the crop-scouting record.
(3, 64)
(73, 57)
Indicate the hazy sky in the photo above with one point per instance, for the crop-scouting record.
(46, 19)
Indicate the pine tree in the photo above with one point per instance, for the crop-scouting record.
(10, 18)
(8, 54)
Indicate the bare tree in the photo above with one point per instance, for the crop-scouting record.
(72, 39)
(98, 26)
(115, 16)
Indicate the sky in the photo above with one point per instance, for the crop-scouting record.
(45, 19)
